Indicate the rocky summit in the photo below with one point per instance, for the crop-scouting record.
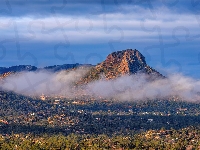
(121, 63)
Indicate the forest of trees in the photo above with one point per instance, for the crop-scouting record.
(30, 123)
(186, 138)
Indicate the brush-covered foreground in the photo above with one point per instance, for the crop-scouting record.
(61, 123)
(186, 138)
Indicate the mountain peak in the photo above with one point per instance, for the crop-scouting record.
(124, 62)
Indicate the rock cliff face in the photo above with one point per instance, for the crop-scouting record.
(121, 63)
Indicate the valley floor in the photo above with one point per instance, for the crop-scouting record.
(60, 123)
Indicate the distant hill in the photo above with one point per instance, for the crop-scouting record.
(6, 71)
(125, 62)
(121, 63)
(56, 68)
(17, 68)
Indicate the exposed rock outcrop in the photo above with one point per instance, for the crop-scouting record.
(121, 63)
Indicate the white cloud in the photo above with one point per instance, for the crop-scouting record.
(48, 83)
(101, 27)
(125, 88)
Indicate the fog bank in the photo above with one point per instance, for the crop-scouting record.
(125, 88)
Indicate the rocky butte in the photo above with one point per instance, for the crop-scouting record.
(121, 63)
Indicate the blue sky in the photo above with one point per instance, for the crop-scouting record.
(45, 32)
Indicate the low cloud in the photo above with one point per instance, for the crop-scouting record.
(139, 87)
(126, 88)
(44, 82)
